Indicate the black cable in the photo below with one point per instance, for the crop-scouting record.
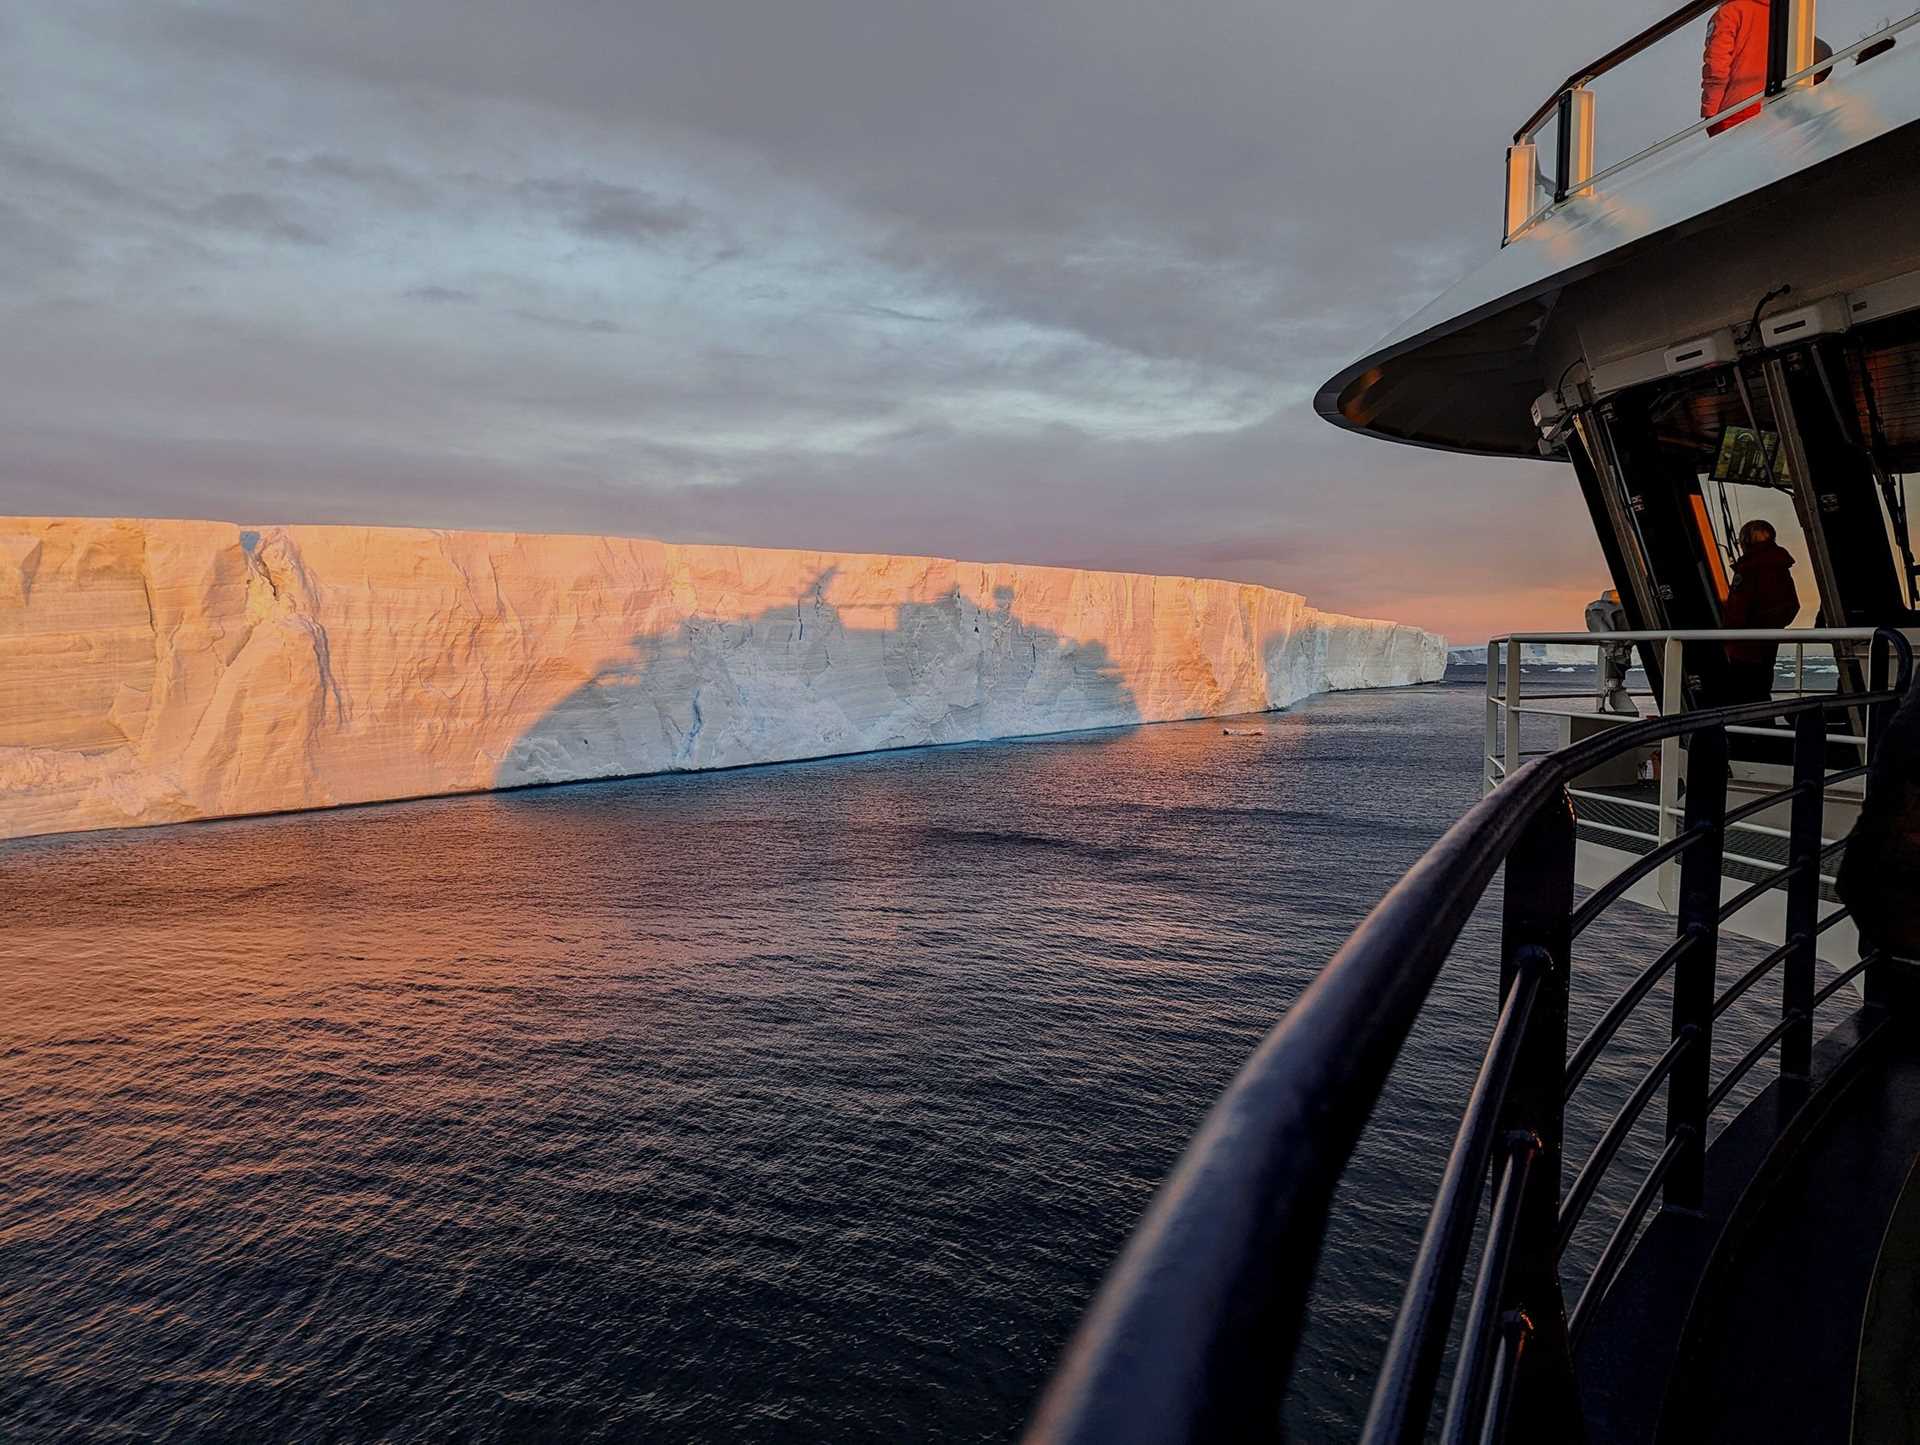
(1785, 288)
(1560, 386)
(1726, 523)
(1753, 421)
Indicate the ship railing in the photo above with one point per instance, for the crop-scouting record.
(1567, 122)
(1193, 1334)
(1610, 814)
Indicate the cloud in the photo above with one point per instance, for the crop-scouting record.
(385, 182)
(1050, 280)
(597, 326)
(607, 212)
(440, 295)
(253, 215)
(29, 249)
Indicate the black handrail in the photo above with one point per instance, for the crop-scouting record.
(1747, 1060)
(1766, 885)
(1838, 916)
(1615, 58)
(1840, 981)
(1193, 1334)
(1768, 801)
(1753, 975)
(1592, 1171)
(1615, 1253)
(1619, 1011)
(1606, 897)
(1430, 1291)
(1473, 1380)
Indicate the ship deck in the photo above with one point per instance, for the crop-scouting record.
(1626, 818)
(1792, 1302)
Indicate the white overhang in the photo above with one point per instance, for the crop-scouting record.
(1462, 373)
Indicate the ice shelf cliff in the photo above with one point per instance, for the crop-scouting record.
(1532, 654)
(156, 671)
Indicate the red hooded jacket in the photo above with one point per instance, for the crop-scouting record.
(1763, 597)
(1736, 60)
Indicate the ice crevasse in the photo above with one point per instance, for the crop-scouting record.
(157, 671)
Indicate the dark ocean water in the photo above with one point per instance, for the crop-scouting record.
(799, 1104)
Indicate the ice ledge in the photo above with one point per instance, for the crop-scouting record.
(154, 671)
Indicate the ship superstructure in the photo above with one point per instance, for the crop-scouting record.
(1715, 325)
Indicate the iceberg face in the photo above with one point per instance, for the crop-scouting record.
(1532, 654)
(155, 671)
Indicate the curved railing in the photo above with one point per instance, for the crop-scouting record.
(1193, 1334)
(1613, 60)
(1792, 61)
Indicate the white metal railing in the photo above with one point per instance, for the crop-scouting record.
(1582, 180)
(1508, 703)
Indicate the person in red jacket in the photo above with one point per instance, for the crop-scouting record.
(1736, 60)
(1763, 598)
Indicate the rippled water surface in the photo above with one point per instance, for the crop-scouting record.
(797, 1104)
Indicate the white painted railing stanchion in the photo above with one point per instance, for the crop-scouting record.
(1672, 704)
(1493, 716)
(1513, 700)
(1507, 707)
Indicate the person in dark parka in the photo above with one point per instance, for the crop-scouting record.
(1880, 872)
(1763, 598)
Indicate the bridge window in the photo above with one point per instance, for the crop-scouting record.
(1816, 440)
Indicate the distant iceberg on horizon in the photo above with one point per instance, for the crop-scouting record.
(1532, 654)
(159, 671)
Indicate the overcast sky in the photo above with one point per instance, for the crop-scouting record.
(1028, 280)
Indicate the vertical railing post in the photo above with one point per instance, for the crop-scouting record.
(1513, 707)
(1536, 921)
(1790, 42)
(1493, 713)
(1880, 678)
(1779, 29)
(1803, 893)
(1877, 983)
(1693, 974)
(1523, 187)
(1564, 152)
(1577, 120)
(1673, 702)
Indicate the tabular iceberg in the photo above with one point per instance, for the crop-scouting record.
(1532, 654)
(155, 671)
